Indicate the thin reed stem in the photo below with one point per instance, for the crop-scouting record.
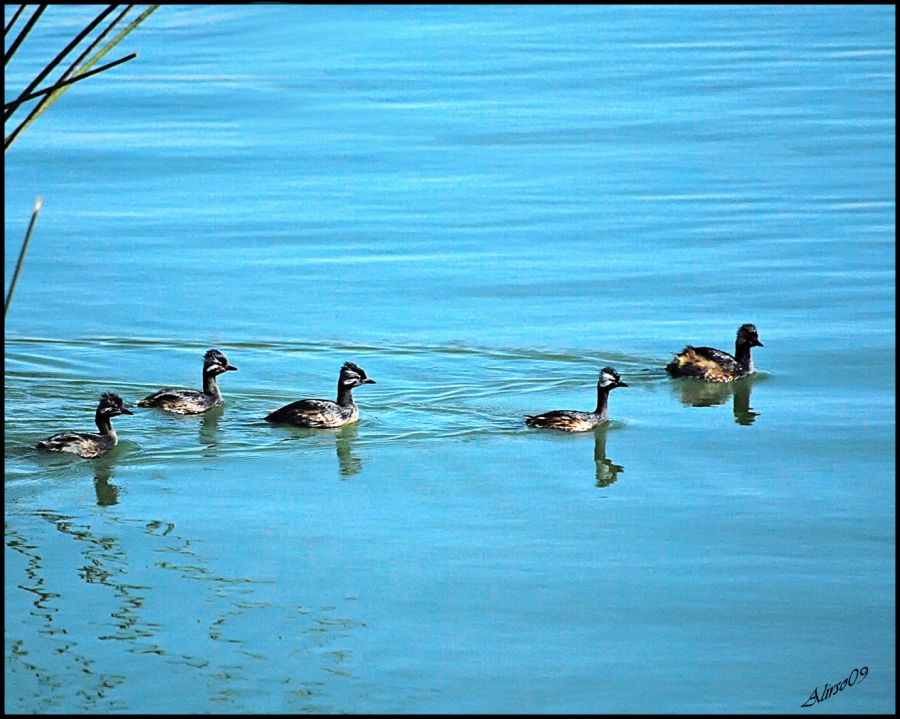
(13, 20)
(115, 41)
(23, 33)
(64, 83)
(61, 85)
(62, 54)
(15, 277)
(67, 74)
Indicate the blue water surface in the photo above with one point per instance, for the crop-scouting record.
(482, 206)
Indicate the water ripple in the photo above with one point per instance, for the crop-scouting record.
(425, 393)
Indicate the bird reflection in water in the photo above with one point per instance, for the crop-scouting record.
(209, 426)
(697, 393)
(606, 470)
(107, 494)
(349, 464)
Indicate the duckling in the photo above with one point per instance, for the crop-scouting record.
(322, 412)
(570, 420)
(189, 401)
(712, 365)
(86, 444)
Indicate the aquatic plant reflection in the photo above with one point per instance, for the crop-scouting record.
(71, 660)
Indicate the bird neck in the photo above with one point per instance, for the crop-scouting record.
(210, 385)
(742, 353)
(345, 395)
(104, 424)
(602, 402)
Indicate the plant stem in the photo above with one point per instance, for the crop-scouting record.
(7, 56)
(59, 87)
(64, 83)
(15, 277)
(13, 20)
(65, 51)
(66, 75)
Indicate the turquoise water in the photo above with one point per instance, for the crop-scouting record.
(482, 207)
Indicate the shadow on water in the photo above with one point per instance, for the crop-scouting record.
(606, 471)
(697, 393)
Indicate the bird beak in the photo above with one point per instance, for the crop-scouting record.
(125, 410)
(369, 381)
(757, 343)
(621, 384)
(231, 368)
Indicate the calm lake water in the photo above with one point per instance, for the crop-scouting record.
(482, 207)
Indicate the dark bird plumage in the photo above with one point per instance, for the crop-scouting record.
(87, 444)
(570, 420)
(189, 401)
(712, 365)
(323, 412)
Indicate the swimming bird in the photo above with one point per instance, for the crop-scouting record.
(323, 412)
(87, 444)
(189, 401)
(712, 365)
(570, 420)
